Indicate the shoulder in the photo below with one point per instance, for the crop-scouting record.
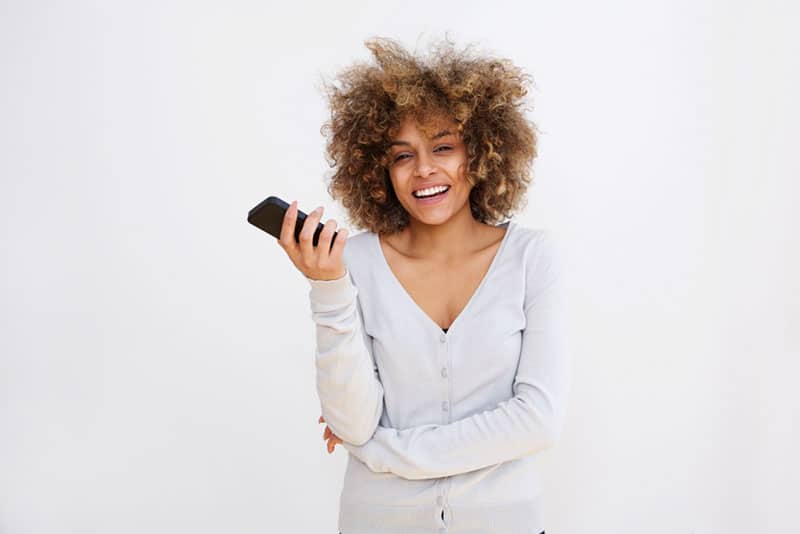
(358, 245)
(539, 260)
(534, 243)
(359, 255)
(539, 250)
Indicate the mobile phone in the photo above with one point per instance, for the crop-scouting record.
(268, 215)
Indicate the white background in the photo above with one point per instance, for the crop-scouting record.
(157, 351)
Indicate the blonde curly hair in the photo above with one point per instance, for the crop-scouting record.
(483, 96)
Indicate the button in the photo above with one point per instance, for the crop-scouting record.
(444, 406)
(439, 500)
(442, 338)
(444, 372)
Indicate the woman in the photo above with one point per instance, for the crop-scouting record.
(441, 356)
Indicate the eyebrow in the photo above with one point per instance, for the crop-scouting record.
(437, 136)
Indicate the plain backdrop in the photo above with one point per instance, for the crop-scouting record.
(156, 369)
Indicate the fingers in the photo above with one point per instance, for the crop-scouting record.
(332, 443)
(322, 262)
(307, 235)
(286, 239)
(338, 246)
(324, 245)
(329, 435)
(332, 438)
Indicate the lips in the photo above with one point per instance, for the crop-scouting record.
(430, 188)
(434, 199)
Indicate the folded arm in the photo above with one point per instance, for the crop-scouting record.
(349, 388)
(528, 422)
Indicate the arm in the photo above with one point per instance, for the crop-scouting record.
(528, 422)
(350, 392)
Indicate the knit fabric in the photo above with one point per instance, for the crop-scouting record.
(442, 428)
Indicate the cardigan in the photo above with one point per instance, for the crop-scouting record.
(442, 428)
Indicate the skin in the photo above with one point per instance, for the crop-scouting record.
(442, 234)
(438, 232)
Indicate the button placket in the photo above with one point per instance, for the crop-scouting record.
(441, 507)
(443, 372)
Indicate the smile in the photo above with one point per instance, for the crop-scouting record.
(431, 191)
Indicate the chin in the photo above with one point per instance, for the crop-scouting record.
(433, 220)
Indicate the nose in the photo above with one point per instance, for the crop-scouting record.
(424, 165)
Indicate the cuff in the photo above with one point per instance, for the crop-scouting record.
(362, 453)
(332, 292)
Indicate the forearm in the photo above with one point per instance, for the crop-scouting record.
(523, 425)
(350, 393)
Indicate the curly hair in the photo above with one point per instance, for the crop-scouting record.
(483, 96)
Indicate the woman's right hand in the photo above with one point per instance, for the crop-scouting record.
(316, 263)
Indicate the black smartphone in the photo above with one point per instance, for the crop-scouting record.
(268, 216)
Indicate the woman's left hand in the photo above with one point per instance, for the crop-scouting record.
(332, 438)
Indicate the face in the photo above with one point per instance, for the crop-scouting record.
(428, 172)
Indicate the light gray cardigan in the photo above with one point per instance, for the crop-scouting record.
(442, 429)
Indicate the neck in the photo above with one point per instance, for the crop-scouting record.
(452, 239)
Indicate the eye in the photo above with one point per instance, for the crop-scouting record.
(401, 157)
(443, 148)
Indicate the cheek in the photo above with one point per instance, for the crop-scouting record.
(461, 171)
(397, 176)
(396, 179)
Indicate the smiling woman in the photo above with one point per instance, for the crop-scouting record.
(441, 356)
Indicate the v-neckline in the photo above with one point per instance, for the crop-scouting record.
(473, 297)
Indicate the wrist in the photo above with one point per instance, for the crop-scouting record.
(331, 292)
(334, 277)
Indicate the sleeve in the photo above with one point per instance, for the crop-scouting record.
(528, 422)
(348, 385)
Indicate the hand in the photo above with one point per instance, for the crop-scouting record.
(332, 438)
(322, 262)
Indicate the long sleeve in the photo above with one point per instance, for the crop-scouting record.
(528, 422)
(349, 388)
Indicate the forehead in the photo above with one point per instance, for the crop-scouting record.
(411, 127)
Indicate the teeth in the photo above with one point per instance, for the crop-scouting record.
(430, 191)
